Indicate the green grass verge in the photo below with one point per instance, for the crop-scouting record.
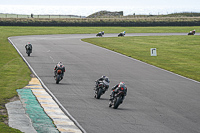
(15, 73)
(178, 54)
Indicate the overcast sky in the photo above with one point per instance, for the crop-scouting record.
(103, 2)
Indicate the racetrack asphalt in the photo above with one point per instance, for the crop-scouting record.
(157, 101)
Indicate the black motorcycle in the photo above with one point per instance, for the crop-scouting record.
(117, 100)
(58, 77)
(122, 34)
(191, 33)
(28, 49)
(100, 89)
(100, 34)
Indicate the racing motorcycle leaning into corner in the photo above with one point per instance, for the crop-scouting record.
(100, 34)
(118, 95)
(191, 32)
(122, 34)
(59, 72)
(101, 86)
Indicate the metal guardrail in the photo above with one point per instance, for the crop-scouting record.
(38, 16)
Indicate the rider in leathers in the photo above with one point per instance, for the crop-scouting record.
(116, 89)
(61, 67)
(103, 78)
(28, 47)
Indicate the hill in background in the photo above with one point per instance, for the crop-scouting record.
(106, 14)
(119, 14)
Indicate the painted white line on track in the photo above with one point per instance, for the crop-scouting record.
(51, 58)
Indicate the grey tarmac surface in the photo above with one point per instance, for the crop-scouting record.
(157, 101)
(18, 118)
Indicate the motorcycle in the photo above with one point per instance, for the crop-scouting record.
(58, 76)
(192, 32)
(29, 52)
(29, 49)
(122, 34)
(117, 100)
(100, 89)
(100, 34)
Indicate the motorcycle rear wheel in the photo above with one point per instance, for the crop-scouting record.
(58, 79)
(99, 93)
(117, 103)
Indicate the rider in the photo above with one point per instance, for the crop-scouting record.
(105, 80)
(61, 67)
(28, 47)
(116, 88)
(124, 32)
(193, 31)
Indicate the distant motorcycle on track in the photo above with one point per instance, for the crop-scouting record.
(118, 94)
(28, 49)
(191, 32)
(58, 77)
(122, 34)
(100, 89)
(100, 34)
(59, 72)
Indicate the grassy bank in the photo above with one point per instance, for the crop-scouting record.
(15, 74)
(178, 54)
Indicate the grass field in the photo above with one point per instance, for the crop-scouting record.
(15, 74)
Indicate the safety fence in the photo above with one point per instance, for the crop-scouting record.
(38, 16)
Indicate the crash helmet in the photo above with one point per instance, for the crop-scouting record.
(122, 85)
(60, 64)
(28, 43)
(103, 76)
(107, 80)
